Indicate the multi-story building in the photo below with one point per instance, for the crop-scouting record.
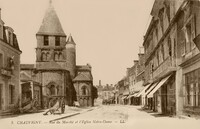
(10, 90)
(172, 58)
(188, 59)
(160, 43)
(136, 77)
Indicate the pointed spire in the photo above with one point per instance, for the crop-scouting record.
(70, 40)
(51, 24)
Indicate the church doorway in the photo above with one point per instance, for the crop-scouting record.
(85, 102)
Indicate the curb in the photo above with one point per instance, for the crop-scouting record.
(67, 116)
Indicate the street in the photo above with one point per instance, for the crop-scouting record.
(133, 117)
(103, 116)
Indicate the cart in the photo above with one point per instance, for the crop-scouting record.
(54, 106)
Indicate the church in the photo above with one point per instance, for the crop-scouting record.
(55, 70)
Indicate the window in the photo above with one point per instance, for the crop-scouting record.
(188, 38)
(162, 52)
(160, 15)
(84, 90)
(57, 40)
(169, 46)
(52, 90)
(1, 31)
(189, 31)
(167, 6)
(46, 40)
(48, 56)
(192, 88)
(1, 60)
(174, 47)
(11, 94)
(9, 37)
(60, 56)
(56, 56)
(156, 31)
(44, 57)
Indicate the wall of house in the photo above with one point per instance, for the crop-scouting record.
(11, 78)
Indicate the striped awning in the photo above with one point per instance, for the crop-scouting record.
(143, 90)
(150, 95)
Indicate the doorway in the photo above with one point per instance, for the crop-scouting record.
(1, 105)
(164, 99)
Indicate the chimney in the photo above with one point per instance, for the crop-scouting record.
(140, 55)
(0, 13)
(141, 50)
(135, 62)
(99, 82)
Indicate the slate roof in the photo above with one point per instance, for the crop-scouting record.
(25, 77)
(15, 42)
(83, 67)
(83, 76)
(51, 24)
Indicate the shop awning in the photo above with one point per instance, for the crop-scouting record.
(129, 96)
(150, 95)
(124, 97)
(151, 88)
(143, 90)
(132, 95)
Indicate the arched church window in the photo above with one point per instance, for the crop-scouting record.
(48, 56)
(56, 56)
(57, 90)
(60, 56)
(52, 90)
(44, 58)
(84, 90)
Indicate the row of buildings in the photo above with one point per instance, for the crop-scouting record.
(166, 77)
(106, 93)
(54, 74)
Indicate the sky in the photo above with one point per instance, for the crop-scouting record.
(107, 33)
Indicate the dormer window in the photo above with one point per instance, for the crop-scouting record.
(1, 31)
(46, 40)
(57, 41)
(9, 37)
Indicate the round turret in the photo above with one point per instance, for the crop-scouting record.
(71, 56)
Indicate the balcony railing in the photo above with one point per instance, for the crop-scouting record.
(5, 72)
(164, 68)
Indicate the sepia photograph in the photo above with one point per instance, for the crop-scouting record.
(124, 64)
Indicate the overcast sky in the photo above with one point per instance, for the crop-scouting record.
(107, 33)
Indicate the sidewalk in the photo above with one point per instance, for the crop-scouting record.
(69, 111)
(72, 111)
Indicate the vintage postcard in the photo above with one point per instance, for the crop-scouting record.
(100, 64)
